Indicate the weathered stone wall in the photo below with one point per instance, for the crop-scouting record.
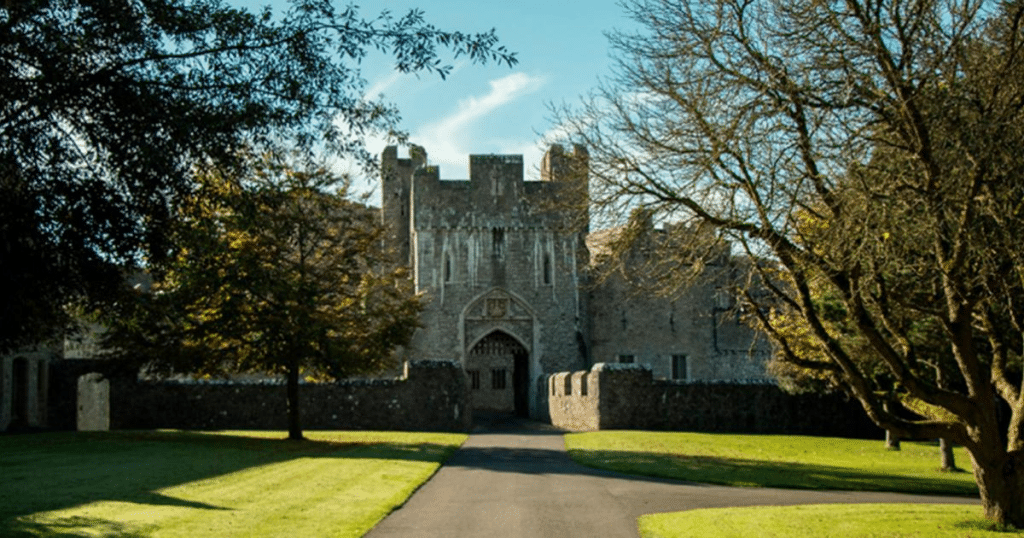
(613, 396)
(24, 384)
(573, 403)
(430, 396)
(699, 323)
(492, 255)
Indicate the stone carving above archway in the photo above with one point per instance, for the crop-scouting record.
(497, 304)
(497, 309)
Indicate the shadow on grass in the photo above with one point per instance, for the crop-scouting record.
(70, 527)
(758, 473)
(55, 471)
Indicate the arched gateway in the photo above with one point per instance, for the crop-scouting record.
(499, 371)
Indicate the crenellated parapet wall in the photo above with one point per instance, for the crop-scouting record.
(625, 396)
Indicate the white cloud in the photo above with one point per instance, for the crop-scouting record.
(450, 140)
(382, 85)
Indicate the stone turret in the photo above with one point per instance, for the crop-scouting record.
(558, 165)
(396, 185)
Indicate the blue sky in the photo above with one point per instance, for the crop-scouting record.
(562, 52)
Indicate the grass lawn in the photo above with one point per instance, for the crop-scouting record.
(167, 483)
(773, 461)
(823, 521)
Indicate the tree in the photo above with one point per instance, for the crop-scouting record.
(274, 275)
(109, 104)
(896, 126)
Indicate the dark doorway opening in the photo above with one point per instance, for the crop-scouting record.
(521, 383)
(497, 355)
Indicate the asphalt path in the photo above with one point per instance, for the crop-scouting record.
(515, 479)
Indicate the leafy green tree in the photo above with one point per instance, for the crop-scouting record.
(108, 105)
(275, 275)
(896, 125)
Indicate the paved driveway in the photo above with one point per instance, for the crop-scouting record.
(518, 481)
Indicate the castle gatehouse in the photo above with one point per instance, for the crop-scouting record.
(505, 262)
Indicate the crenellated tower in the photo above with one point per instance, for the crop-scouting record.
(500, 259)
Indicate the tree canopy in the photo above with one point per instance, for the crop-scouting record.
(865, 156)
(109, 105)
(278, 273)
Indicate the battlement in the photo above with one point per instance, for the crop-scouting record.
(496, 194)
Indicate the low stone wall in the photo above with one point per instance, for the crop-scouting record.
(625, 396)
(430, 396)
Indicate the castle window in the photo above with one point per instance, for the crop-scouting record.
(626, 359)
(474, 379)
(498, 379)
(679, 367)
(447, 268)
(547, 269)
(498, 242)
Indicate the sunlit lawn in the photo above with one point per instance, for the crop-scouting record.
(203, 484)
(823, 521)
(773, 461)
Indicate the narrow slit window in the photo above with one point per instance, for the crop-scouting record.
(498, 242)
(498, 379)
(547, 269)
(679, 367)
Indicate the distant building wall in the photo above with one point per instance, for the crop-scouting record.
(614, 396)
(695, 335)
(430, 396)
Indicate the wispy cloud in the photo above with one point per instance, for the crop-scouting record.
(382, 85)
(450, 139)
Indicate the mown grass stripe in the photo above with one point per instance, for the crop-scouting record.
(181, 484)
(773, 461)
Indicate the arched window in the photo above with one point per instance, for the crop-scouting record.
(497, 242)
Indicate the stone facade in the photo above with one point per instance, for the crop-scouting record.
(506, 274)
(694, 334)
(501, 270)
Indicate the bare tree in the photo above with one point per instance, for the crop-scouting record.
(864, 154)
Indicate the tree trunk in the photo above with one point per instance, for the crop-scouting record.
(1000, 479)
(948, 460)
(892, 441)
(294, 424)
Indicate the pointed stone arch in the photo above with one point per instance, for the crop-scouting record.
(498, 309)
(506, 324)
(502, 369)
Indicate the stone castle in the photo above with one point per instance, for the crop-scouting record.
(508, 276)
(513, 298)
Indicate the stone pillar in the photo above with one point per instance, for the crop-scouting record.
(93, 403)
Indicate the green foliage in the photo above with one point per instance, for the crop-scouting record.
(272, 274)
(110, 104)
(224, 484)
(798, 462)
(866, 157)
